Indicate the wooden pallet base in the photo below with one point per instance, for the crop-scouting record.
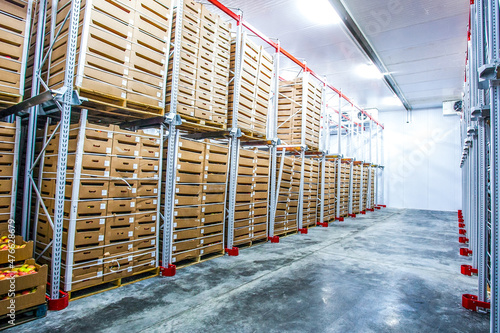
(252, 134)
(199, 259)
(196, 124)
(105, 286)
(23, 316)
(251, 243)
(7, 100)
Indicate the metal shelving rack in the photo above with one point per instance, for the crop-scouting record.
(480, 133)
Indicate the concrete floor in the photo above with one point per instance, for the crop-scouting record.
(388, 271)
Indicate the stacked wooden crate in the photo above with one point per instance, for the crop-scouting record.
(256, 75)
(310, 199)
(356, 187)
(291, 113)
(13, 44)
(366, 194)
(373, 170)
(250, 223)
(200, 189)
(116, 218)
(203, 80)
(122, 53)
(345, 175)
(8, 172)
(330, 193)
(284, 194)
(293, 203)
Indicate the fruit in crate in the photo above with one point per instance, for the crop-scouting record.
(18, 271)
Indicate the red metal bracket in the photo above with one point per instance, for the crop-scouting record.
(352, 215)
(465, 252)
(377, 207)
(370, 209)
(460, 220)
(274, 239)
(461, 225)
(463, 240)
(470, 302)
(340, 219)
(324, 224)
(363, 212)
(58, 303)
(459, 211)
(302, 231)
(170, 270)
(462, 231)
(383, 206)
(234, 252)
(467, 270)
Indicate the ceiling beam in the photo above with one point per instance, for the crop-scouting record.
(362, 42)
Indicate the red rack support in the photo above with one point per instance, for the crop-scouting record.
(377, 207)
(470, 302)
(274, 239)
(467, 270)
(465, 252)
(340, 219)
(352, 215)
(461, 220)
(462, 231)
(170, 270)
(363, 212)
(234, 252)
(324, 224)
(463, 240)
(59, 303)
(370, 209)
(461, 225)
(302, 231)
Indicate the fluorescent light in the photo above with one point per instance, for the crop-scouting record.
(319, 11)
(369, 71)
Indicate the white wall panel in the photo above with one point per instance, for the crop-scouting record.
(422, 160)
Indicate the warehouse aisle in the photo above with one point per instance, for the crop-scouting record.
(389, 271)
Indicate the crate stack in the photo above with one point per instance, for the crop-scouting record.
(366, 170)
(356, 187)
(198, 223)
(122, 53)
(116, 218)
(310, 198)
(345, 175)
(203, 80)
(250, 223)
(293, 202)
(284, 194)
(330, 201)
(14, 45)
(8, 172)
(255, 87)
(372, 192)
(290, 112)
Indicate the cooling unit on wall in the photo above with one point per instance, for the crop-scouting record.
(452, 108)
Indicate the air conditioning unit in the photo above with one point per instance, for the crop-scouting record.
(452, 108)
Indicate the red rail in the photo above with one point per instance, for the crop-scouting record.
(287, 54)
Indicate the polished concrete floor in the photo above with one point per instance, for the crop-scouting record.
(389, 271)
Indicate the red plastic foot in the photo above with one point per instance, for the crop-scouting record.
(459, 211)
(324, 224)
(363, 212)
(234, 252)
(376, 207)
(463, 240)
(461, 220)
(352, 215)
(168, 271)
(467, 270)
(302, 231)
(465, 252)
(461, 225)
(462, 231)
(370, 209)
(59, 303)
(274, 239)
(340, 219)
(383, 206)
(470, 302)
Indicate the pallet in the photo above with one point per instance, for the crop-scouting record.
(251, 243)
(24, 316)
(113, 284)
(191, 123)
(7, 100)
(251, 134)
(199, 259)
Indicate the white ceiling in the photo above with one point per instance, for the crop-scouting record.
(421, 42)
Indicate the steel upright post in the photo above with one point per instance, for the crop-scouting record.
(62, 157)
(322, 190)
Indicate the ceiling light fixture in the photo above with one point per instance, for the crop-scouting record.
(319, 11)
(369, 71)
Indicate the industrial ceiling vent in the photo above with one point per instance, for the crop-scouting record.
(452, 108)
